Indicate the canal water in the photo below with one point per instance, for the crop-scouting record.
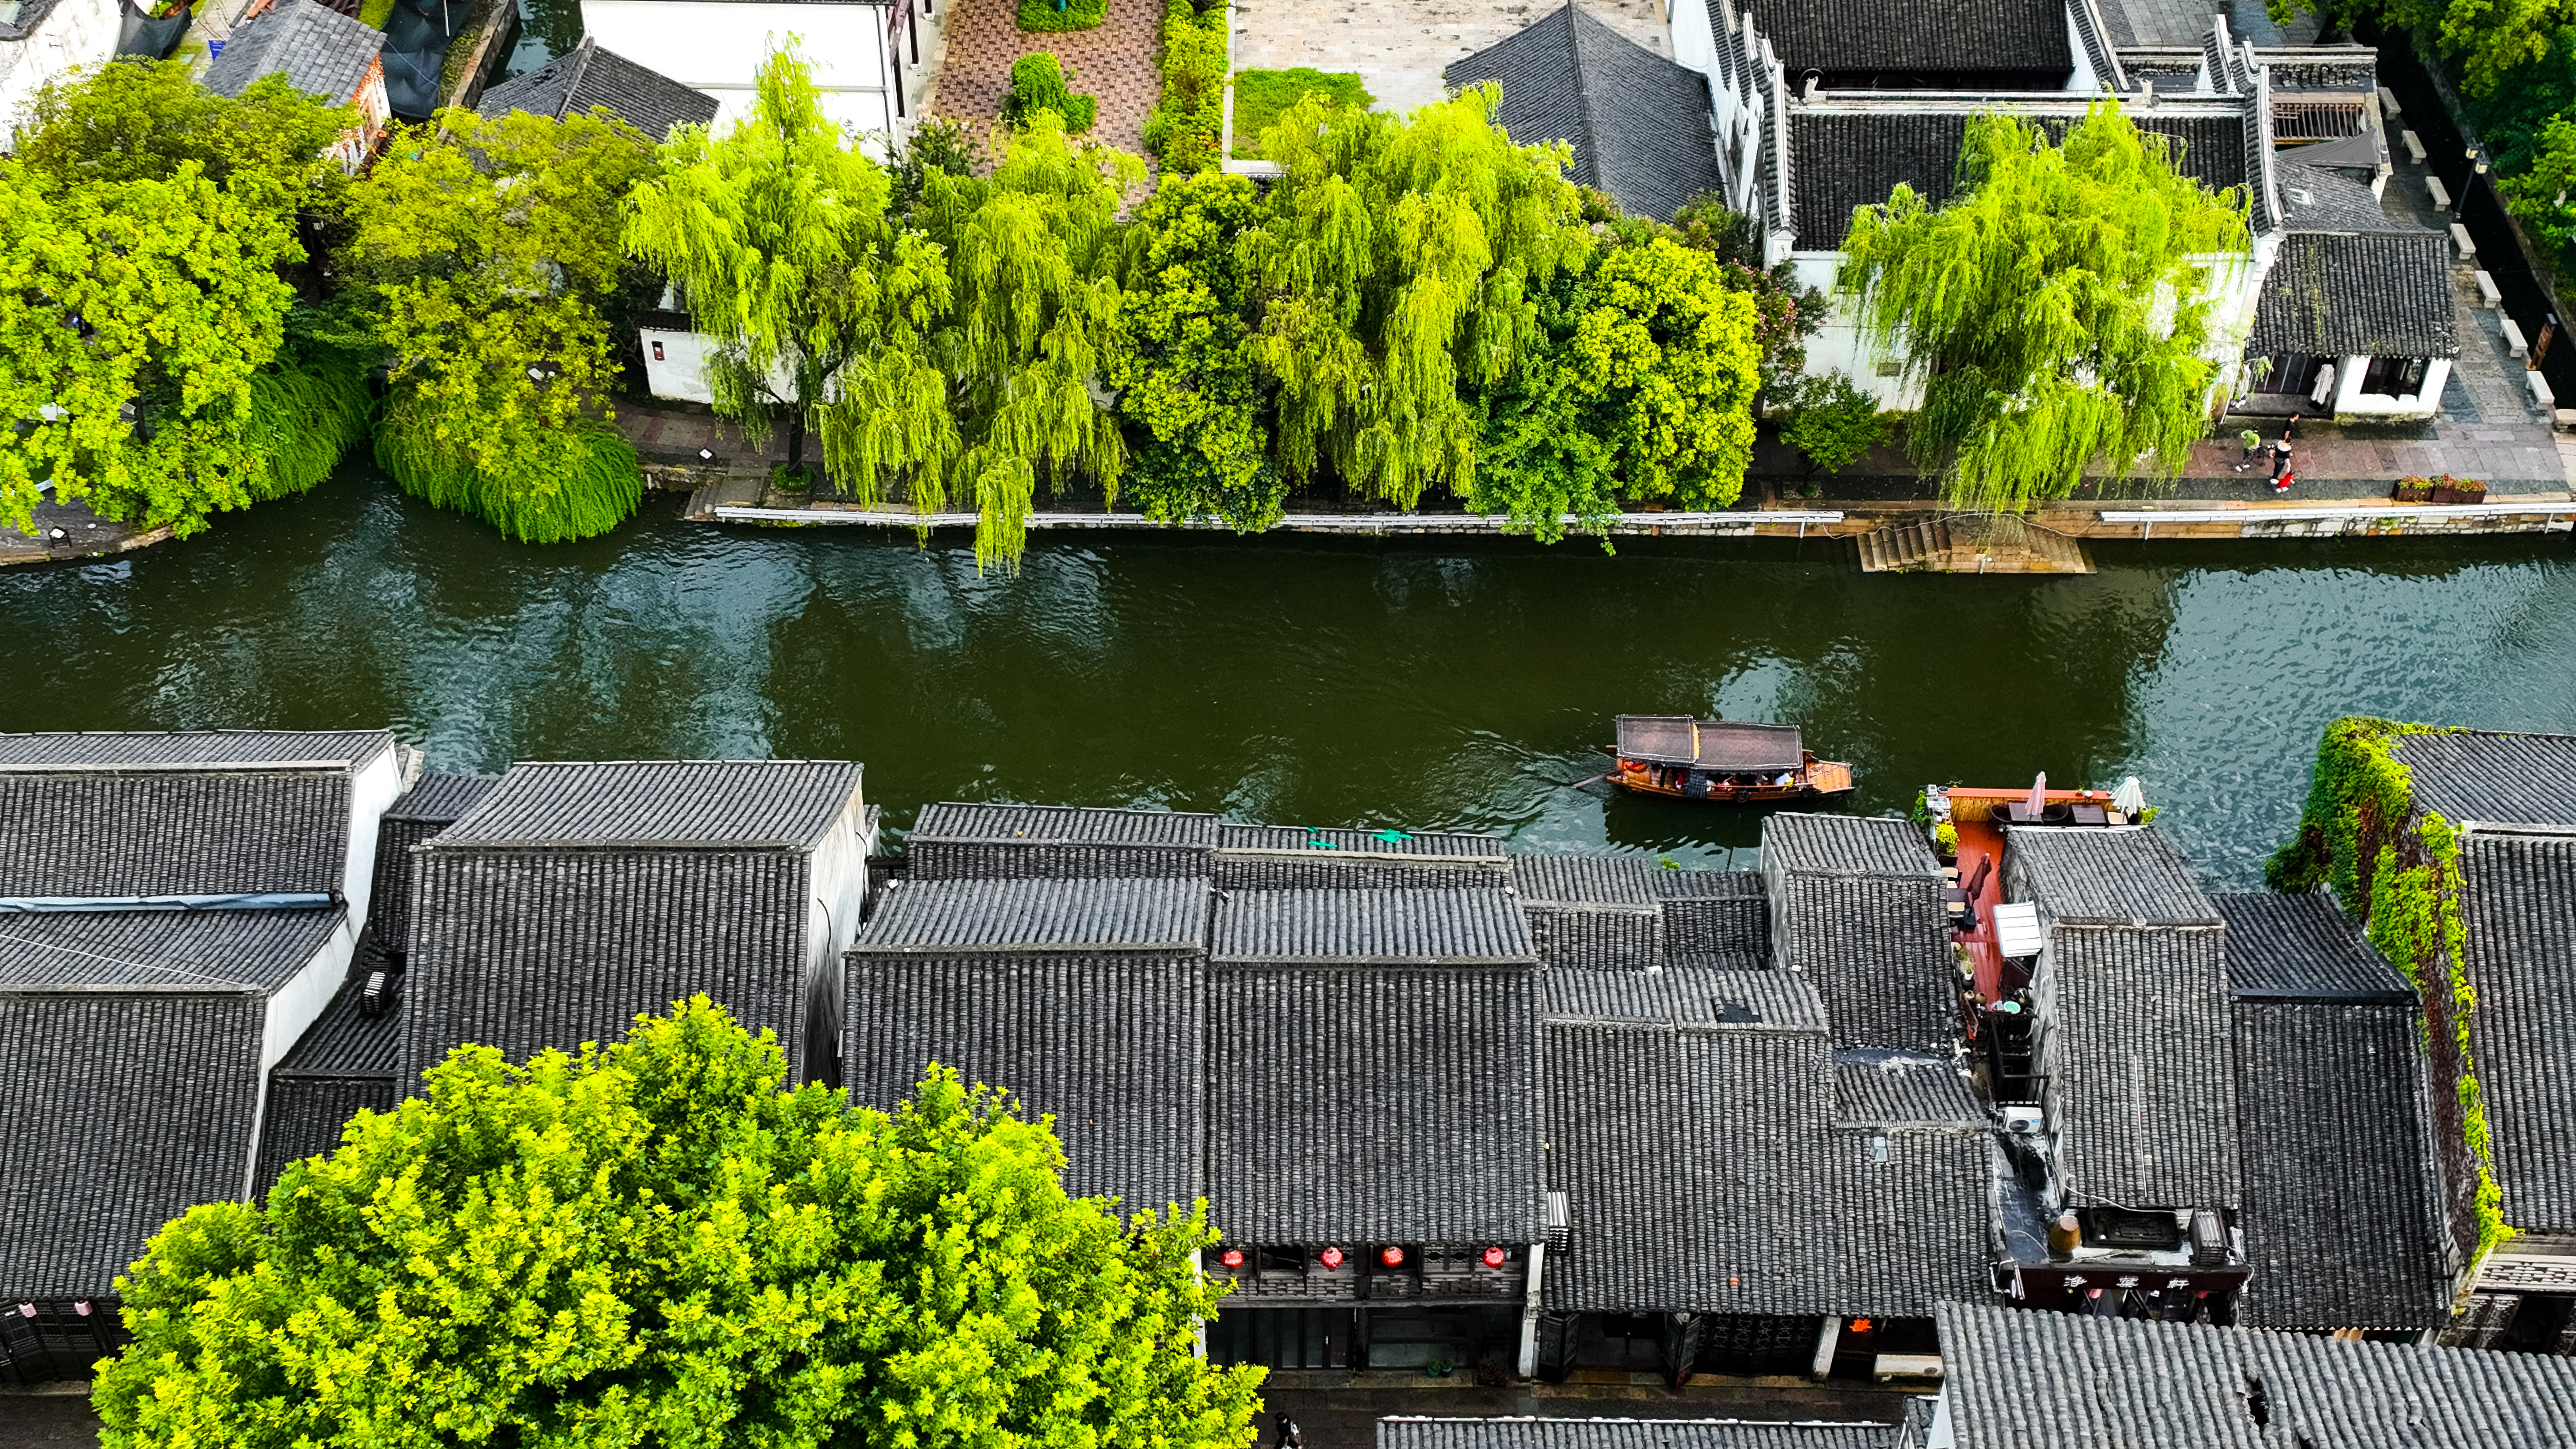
(1416, 683)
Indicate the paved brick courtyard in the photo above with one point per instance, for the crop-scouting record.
(1399, 47)
(1114, 62)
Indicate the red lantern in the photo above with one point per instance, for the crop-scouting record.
(1231, 1257)
(1391, 1256)
(1332, 1257)
(1493, 1257)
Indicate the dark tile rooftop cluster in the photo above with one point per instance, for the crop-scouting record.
(987, 841)
(212, 749)
(316, 48)
(1926, 38)
(2018, 1380)
(1029, 913)
(1895, 1089)
(1371, 928)
(1573, 1433)
(104, 833)
(2520, 909)
(2303, 946)
(1756, 1000)
(189, 952)
(431, 805)
(1856, 905)
(2368, 294)
(1639, 124)
(588, 78)
(2080, 875)
(2141, 1064)
(778, 804)
(347, 1060)
(2500, 779)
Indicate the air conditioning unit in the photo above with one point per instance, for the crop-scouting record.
(2021, 1121)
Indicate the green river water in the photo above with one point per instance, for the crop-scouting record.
(1427, 683)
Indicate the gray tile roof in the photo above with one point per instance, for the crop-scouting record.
(2315, 200)
(317, 49)
(1884, 1089)
(1371, 927)
(571, 85)
(2141, 1071)
(1712, 913)
(1639, 124)
(118, 1112)
(1390, 1105)
(2127, 876)
(2498, 778)
(345, 749)
(982, 917)
(249, 953)
(1595, 912)
(1296, 857)
(2303, 946)
(2342, 1192)
(1737, 1000)
(1842, 156)
(1402, 1432)
(428, 807)
(98, 833)
(1924, 38)
(1457, 845)
(2519, 909)
(525, 949)
(2018, 1380)
(345, 1060)
(2366, 294)
(781, 804)
(1856, 906)
(1606, 880)
(952, 840)
(1114, 1047)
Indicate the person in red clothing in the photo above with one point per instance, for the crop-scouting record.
(2282, 484)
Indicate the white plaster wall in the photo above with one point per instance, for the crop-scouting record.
(372, 792)
(718, 48)
(292, 1009)
(2083, 79)
(837, 876)
(675, 365)
(1694, 41)
(1839, 346)
(77, 33)
(2350, 401)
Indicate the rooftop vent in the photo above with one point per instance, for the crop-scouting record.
(2017, 929)
(1736, 1011)
(378, 996)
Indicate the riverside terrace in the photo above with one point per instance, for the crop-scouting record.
(1539, 1115)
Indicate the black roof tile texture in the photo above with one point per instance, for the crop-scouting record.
(571, 85)
(162, 832)
(307, 1116)
(2519, 905)
(316, 48)
(1883, 1089)
(1371, 927)
(1856, 907)
(1750, 1000)
(2357, 294)
(252, 952)
(2018, 1379)
(427, 808)
(2303, 946)
(1389, 1105)
(784, 804)
(2125, 876)
(1115, 1048)
(2498, 778)
(2141, 1066)
(1923, 37)
(1639, 124)
(1606, 880)
(2342, 1191)
(1843, 157)
(118, 1112)
(1150, 913)
(346, 749)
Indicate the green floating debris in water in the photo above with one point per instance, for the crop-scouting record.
(1393, 837)
(1319, 843)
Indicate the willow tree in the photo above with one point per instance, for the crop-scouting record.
(779, 238)
(1034, 253)
(2058, 312)
(1398, 259)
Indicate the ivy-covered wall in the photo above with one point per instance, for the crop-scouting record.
(2399, 870)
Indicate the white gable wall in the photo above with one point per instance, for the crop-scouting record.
(718, 48)
(76, 33)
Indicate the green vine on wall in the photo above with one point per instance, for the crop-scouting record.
(2359, 801)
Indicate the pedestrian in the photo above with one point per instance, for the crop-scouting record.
(2282, 484)
(2253, 442)
(2281, 456)
(2290, 429)
(1289, 1436)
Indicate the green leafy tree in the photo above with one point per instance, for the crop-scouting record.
(1188, 122)
(1398, 261)
(2486, 39)
(137, 121)
(2540, 195)
(480, 264)
(1789, 314)
(136, 318)
(779, 237)
(1833, 422)
(2057, 312)
(1038, 83)
(1185, 376)
(1034, 253)
(1646, 391)
(656, 1244)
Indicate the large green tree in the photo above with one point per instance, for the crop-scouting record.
(2486, 39)
(657, 1244)
(1033, 251)
(779, 238)
(481, 264)
(2057, 311)
(138, 121)
(1399, 260)
(1643, 388)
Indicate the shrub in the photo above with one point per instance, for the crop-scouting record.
(1260, 95)
(1834, 422)
(1038, 84)
(1053, 17)
(1184, 131)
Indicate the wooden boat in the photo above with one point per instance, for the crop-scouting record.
(1727, 761)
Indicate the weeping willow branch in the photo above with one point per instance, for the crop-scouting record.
(2057, 313)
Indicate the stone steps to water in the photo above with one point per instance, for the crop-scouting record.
(1932, 546)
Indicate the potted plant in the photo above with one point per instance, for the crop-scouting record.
(2414, 488)
(2447, 489)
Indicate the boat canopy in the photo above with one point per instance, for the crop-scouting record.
(1721, 746)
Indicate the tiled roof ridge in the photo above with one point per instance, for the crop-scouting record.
(2093, 33)
(581, 55)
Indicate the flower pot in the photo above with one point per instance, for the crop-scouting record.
(2420, 493)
